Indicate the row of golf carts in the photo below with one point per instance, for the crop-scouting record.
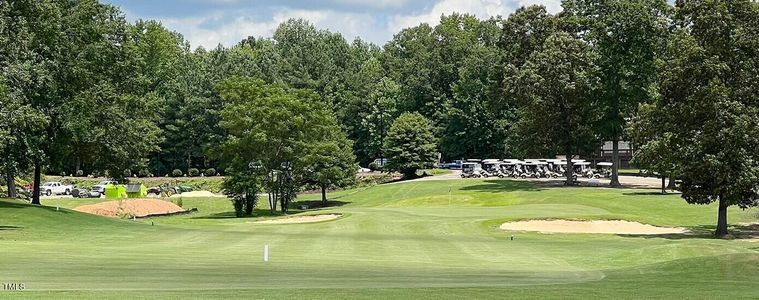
(532, 168)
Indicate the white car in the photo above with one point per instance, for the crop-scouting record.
(55, 188)
(100, 187)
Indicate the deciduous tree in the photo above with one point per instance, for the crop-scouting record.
(410, 145)
(556, 94)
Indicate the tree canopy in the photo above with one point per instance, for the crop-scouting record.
(410, 145)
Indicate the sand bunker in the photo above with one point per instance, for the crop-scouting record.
(196, 194)
(137, 207)
(609, 227)
(301, 219)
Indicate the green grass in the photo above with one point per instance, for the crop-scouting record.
(408, 240)
(434, 172)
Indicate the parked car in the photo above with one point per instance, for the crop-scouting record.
(455, 165)
(100, 187)
(55, 188)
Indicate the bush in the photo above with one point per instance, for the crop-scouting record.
(210, 172)
(193, 172)
(373, 166)
(127, 173)
(143, 173)
(176, 173)
(95, 173)
(79, 173)
(372, 180)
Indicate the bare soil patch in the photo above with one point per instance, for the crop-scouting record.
(137, 207)
(607, 227)
(301, 219)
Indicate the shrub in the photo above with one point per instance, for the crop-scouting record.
(373, 166)
(127, 173)
(95, 173)
(143, 173)
(193, 172)
(176, 173)
(79, 173)
(210, 172)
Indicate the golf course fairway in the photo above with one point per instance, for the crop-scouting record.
(421, 240)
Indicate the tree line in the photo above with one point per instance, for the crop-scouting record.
(85, 91)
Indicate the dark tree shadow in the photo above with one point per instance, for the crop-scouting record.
(10, 227)
(735, 232)
(649, 194)
(256, 214)
(5, 204)
(498, 186)
(311, 204)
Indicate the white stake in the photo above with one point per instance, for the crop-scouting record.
(266, 253)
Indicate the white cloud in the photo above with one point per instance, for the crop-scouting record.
(197, 31)
(553, 6)
(481, 8)
(228, 27)
(374, 3)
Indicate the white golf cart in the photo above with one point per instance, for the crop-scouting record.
(471, 170)
(490, 168)
(603, 169)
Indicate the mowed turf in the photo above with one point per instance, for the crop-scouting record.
(420, 240)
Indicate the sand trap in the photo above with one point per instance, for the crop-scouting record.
(137, 207)
(301, 219)
(196, 194)
(610, 227)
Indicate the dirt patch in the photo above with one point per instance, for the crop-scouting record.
(608, 227)
(196, 194)
(136, 207)
(301, 219)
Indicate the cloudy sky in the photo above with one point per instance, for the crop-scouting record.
(210, 22)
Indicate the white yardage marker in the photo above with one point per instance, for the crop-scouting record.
(266, 253)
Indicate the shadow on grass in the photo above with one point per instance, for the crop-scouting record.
(735, 232)
(10, 227)
(257, 213)
(649, 194)
(317, 204)
(9, 204)
(497, 186)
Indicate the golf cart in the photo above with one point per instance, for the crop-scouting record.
(531, 169)
(582, 169)
(508, 167)
(604, 169)
(520, 170)
(471, 170)
(553, 168)
(490, 168)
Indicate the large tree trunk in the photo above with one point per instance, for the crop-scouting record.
(721, 218)
(324, 194)
(671, 185)
(615, 162)
(11, 178)
(273, 203)
(570, 171)
(663, 184)
(37, 179)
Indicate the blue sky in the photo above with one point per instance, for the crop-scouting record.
(210, 22)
